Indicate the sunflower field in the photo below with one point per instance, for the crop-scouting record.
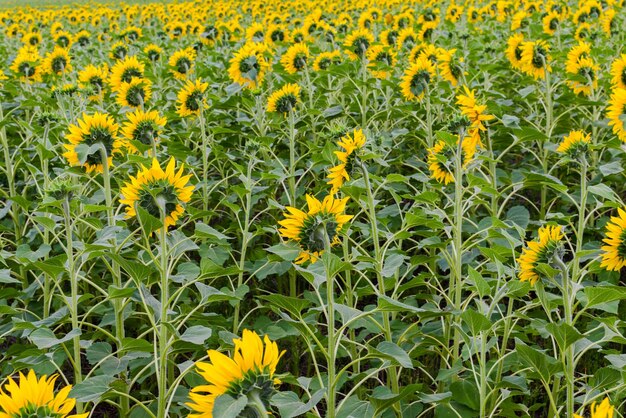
(330, 208)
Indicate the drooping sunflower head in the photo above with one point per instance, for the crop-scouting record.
(450, 67)
(536, 58)
(551, 22)
(357, 43)
(608, 23)
(407, 38)
(514, 50)
(249, 372)
(614, 250)
(153, 52)
(441, 157)
(380, 56)
(284, 100)
(475, 112)
(33, 397)
(124, 70)
(181, 63)
(539, 252)
(135, 93)
(575, 144)
(119, 51)
(315, 229)
(144, 127)
(210, 35)
(83, 38)
(296, 58)
(585, 71)
(63, 39)
(389, 37)
(161, 193)
(616, 112)
(325, 59)
(417, 78)
(249, 65)
(618, 71)
(97, 129)
(191, 98)
(32, 39)
(351, 144)
(427, 30)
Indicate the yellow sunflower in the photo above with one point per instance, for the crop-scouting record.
(551, 22)
(158, 192)
(295, 58)
(407, 38)
(340, 173)
(475, 112)
(33, 397)
(604, 410)
(32, 39)
(249, 65)
(379, 55)
(26, 66)
(323, 221)
(616, 113)
(614, 252)
(574, 144)
(57, 62)
(608, 23)
(62, 39)
(536, 58)
(83, 38)
(255, 32)
(191, 98)
(153, 52)
(357, 43)
(124, 70)
(96, 129)
(93, 79)
(135, 93)
(119, 51)
(618, 71)
(581, 50)
(181, 63)
(540, 251)
(417, 78)
(325, 59)
(586, 70)
(441, 158)
(514, 50)
(144, 127)
(450, 67)
(250, 372)
(284, 100)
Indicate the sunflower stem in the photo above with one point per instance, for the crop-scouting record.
(255, 402)
(581, 216)
(244, 243)
(458, 240)
(568, 355)
(292, 158)
(544, 150)
(163, 330)
(330, 302)
(205, 162)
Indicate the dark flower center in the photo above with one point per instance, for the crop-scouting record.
(312, 235)
(621, 248)
(63, 41)
(145, 132)
(26, 69)
(129, 73)
(539, 56)
(299, 61)
(98, 136)
(392, 37)
(160, 191)
(183, 65)
(286, 103)
(193, 101)
(419, 82)
(58, 64)
(277, 36)
(119, 52)
(360, 45)
(249, 67)
(136, 95)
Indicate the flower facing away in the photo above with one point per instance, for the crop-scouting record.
(153, 52)
(618, 71)
(540, 251)
(143, 127)
(474, 111)
(181, 63)
(156, 191)
(450, 67)
(325, 59)
(514, 50)
(191, 98)
(417, 78)
(616, 113)
(33, 397)
(585, 69)
(357, 43)
(574, 144)
(124, 70)
(249, 65)
(536, 59)
(93, 79)
(97, 129)
(57, 62)
(296, 58)
(284, 100)
(614, 250)
(604, 410)
(312, 230)
(441, 158)
(340, 173)
(135, 93)
(249, 372)
(378, 56)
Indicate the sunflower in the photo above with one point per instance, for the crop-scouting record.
(296, 57)
(93, 79)
(119, 51)
(604, 410)
(574, 144)
(153, 52)
(277, 33)
(536, 58)
(441, 158)
(62, 39)
(285, 99)
(144, 127)
(191, 98)
(608, 23)
(551, 22)
(83, 38)
(519, 21)
(250, 372)
(155, 190)
(96, 129)
(417, 78)
(514, 50)
(379, 55)
(584, 31)
(210, 35)
(475, 113)
(124, 70)
(32, 39)
(614, 252)
(181, 63)
(249, 65)
(312, 230)
(618, 71)
(582, 50)
(325, 59)
(255, 32)
(57, 62)
(357, 43)
(26, 66)
(426, 31)
(585, 69)
(407, 38)
(450, 67)
(454, 13)
(351, 144)
(539, 252)
(134, 93)
(34, 397)
(616, 113)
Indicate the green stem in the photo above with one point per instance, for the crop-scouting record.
(581, 216)
(292, 158)
(244, 244)
(458, 241)
(163, 330)
(568, 355)
(255, 402)
(330, 302)
(544, 150)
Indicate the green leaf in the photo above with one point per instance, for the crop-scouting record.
(466, 393)
(539, 363)
(476, 321)
(226, 406)
(519, 215)
(44, 338)
(395, 353)
(599, 296)
(132, 344)
(196, 334)
(392, 264)
(205, 231)
(5, 277)
(292, 305)
(289, 405)
(116, 292)
(382, 404)
(149, 223)
(92, 389)
(564, 334)
(603, 191)
(479, 282)
(287, 251)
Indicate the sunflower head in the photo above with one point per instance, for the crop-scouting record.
(441, 157)
(316, 229)
(618, 71)
(604, 410)
(541, 251)
(119, 50)
(378, 55)
(249, 65)
(135, 93)
(614, 250)
(191, 98)
(124, 70)
(153, 52)
(326, 59)
(585, 71)
(181, 63)
(616, 112)
(284, 100)
(357, 43)
(26, 66)
(575, 144)
(450, 67)
(33, 397)
(348, 157)
(514, 50)
(248, 372)
(296, 58)
(535, 58)
(143, 127)
(417, 78)
(161, 193)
